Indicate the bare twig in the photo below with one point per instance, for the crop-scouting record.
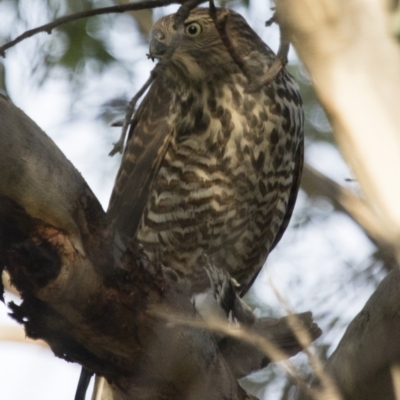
(184, 10)
(277, 65)
(328, 389)
(317, 184)
(220, 26)
(98, 11)
(264, 344)
(180, 17)
(119, 145)
(271, 21)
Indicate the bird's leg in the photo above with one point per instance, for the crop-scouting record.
(224, 291)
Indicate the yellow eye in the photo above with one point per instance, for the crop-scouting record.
(193, 29)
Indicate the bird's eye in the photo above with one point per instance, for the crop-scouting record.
(194, 29)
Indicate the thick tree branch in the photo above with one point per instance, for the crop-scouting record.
(354, 63)
(17, 334)
(55, 243)
(314, 183)
(365, 363)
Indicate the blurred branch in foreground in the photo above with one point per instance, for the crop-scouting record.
(316, 184)
(7, 285)
(365, 363)
(354, 62)
(17, 334)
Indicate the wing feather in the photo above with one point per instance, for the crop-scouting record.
(148, 141)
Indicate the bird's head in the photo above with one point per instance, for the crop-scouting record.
(199, 47)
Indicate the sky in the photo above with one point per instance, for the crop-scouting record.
(297, 267)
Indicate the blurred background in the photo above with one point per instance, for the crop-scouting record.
(75, 82)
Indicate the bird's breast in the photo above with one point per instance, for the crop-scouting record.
(224, 184)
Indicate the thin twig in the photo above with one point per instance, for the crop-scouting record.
(255, 84)
(119, 145)
(184, 10)
(90, 13)
(277, 65)
(180, 18)
(220, 26)
(328, 389)
(271, 21)
(262, 343)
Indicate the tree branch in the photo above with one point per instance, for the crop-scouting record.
(90, 13)
(365, 363)
(255, 80)
(119, 144)
(17, 334)
(57, 248)
(354, 64)
(315, 184)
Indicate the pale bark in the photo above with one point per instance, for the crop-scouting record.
(354, 63)
(17, 334)
(315, 184)
(365, 365)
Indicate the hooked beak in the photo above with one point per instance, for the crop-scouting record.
(158, 45)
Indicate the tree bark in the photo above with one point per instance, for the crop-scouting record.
(366, 363)
(354, 64)
(353, 60)
(57, 247)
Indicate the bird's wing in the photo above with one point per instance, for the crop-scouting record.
(298, 169)
(147, 144)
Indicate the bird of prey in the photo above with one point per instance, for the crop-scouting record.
(210, 167)
(213, 161)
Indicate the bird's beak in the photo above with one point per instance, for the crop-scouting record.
(158, 45)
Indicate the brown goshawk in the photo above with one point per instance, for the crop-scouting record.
(211, 167)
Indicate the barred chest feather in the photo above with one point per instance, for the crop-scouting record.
(223, 187)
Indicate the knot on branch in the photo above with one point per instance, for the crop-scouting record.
(33, 265)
